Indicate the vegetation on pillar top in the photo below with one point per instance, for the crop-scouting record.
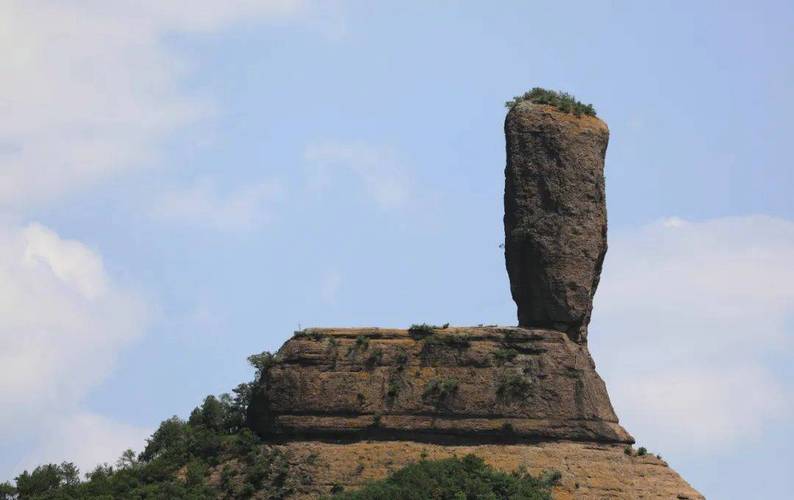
(563, 101)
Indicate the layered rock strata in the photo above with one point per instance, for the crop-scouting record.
(555, 215)
(480, 384)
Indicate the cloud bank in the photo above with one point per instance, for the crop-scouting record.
(63, 322)
(691, 320)
(90, 89)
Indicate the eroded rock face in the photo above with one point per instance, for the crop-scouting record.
(481, 383)
(555, 215)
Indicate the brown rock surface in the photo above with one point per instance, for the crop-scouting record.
(479, 383)
(589, 471)
(555, 215)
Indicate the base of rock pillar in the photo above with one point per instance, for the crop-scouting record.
(477, 384)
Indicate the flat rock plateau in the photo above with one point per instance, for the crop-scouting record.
(479, 383)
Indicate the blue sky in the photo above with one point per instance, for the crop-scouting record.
(183, 184)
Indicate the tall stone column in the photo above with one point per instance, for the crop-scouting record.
(555, 215)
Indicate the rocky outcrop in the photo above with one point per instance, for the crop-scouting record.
(481, 384)
(363, 402)
(555, 215)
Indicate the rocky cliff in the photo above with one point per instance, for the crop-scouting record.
(517, 396)
(480, 383)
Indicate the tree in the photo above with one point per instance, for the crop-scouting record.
(170, 437)
(46, 478)
(7, 491)
(127, 460)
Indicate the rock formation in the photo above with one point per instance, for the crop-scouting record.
(555, 215)
(480, 383)
(372, 399)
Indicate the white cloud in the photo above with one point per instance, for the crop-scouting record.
(202, 205)
(85, 439)
(689, 319)
(89, 88)
(62, 324)
(385, 180)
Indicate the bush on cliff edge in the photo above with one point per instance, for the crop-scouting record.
(563, 101)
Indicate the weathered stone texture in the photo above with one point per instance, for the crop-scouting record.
(483, 383)
(555, 215)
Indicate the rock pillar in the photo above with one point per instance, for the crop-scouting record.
(555, 215)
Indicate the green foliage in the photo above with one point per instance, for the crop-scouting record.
(454, 479)
(424, 329)
(7, 491)
(178, 460)
(628, 451)
(393, 389)
(373, 359)
(46, 480)
(503, 355)
(309, 334)
(642, 451)
(440, 391)
(563, 101)
(401, 358)
(512, 386)
(261, 363)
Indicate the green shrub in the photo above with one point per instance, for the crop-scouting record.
(423, 329)
(642, 451)
(563, 101)
(309, 334)
(360, 345)
(439, 391)
(503, 355)
(261, 363)
(374, 358)
(401, 358)
(393, 389)
(452, 479)
(512, 386)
